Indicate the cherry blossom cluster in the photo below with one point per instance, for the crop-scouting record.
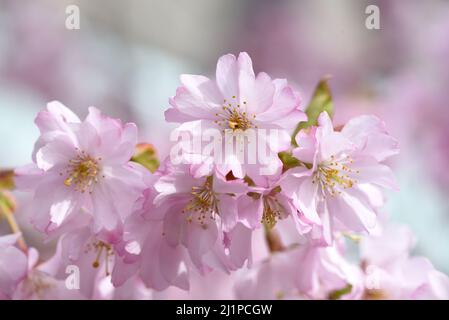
(132, 229)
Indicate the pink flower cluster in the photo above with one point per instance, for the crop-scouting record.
(128, 230)
(384, 270)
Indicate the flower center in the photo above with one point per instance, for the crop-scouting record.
(232, 116)
(272, 211)
(103, 251)
(335, 175)
(203, 205)
(82, 172)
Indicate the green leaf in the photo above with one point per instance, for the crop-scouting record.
(321, 101)
(337, 294)
(145, 155)
(288, 160)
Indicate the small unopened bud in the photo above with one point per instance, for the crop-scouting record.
(145, 154)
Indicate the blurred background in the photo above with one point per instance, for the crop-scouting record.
(127, 56)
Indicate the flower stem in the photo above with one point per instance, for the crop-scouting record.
(273, 239)
(9, 215)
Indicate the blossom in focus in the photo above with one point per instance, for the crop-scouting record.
(391, 273)
(184, 222)
(266, 204)
(201, 215)
(82, 168)
(338, 188)
(235, 103)
(143, 251)
(145, 254)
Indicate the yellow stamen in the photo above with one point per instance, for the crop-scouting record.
(203, 204)
(232, 117)
(103, 251)
(83, 172)
(335, 175)
(272, 210)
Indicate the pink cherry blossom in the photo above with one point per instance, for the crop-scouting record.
(23, 278)
(82, 168)
(304, 272)
(265, 204)
(276, 228)
(391, 273)
(338, 189)
(41, 285)
(236, 102)
(146, 254)
(143, 251)
(184, 223)
(201, 214)
(93, 255)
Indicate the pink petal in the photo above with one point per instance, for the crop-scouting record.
(65, 203)
(55, 118)
(325, 123)
(233, 164)
(13, 268)
(354, 212)
(370, 134)
(57, 152)
(105, 213)
(333, 144)
(227, 76)
(250, 211)
(88, 139)
(240, 248)
(58, 109)
(121, 150)
(285, 109)
(227, 207)
(188, 106)
(307, 148)
(199, 239)
(368, 170)
(204, 89)
(27, 177)
(221, 185)
(306, 200)
(256, 94)
(173, 266)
